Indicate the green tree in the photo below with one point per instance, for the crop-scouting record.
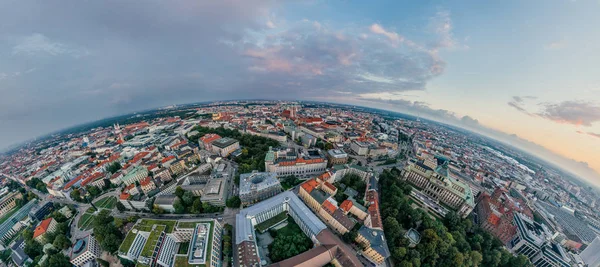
(188, 198)
(197, 206)
(234, 202)
(179, 191)
(61, 242)
(120, 206)
(75, 195)
(114, 167)
(178, 206)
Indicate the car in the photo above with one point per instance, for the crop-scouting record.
(220, 218)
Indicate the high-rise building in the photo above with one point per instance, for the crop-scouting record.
(531, 240)
(85, 250)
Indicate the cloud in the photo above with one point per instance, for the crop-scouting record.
(40, 44)
(597, 135)
(392, 36)
(271, 25)
(327, 59)
(443, 27)
(556, 45)
(571, 112)
(518, 103)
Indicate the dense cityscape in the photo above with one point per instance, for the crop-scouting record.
(288, 183)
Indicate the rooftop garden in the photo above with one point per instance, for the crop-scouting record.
(264, 226)
(148, 249)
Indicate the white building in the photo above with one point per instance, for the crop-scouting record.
(85, 250)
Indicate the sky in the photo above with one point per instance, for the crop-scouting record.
(523, 72)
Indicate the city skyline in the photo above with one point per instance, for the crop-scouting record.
(521, 75)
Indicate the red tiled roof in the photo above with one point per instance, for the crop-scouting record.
(330, 208)
(42, 228)
(330, 186)
(124, 196)
(209, 138)
(146, 181)
(346, 205)
(309, 185)
(167, 159)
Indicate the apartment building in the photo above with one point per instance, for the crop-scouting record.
(301, 162)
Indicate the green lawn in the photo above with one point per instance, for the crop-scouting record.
(8, 214)
(183, 248)
(152, 239)
(106, 202)
(148, 222)
(127, 242)
(186, 224)
(183, 261)
(86, 221)
(263, 226)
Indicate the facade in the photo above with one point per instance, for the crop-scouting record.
(339, 171)
(13, 224)
(165, 202)
(206, 141)
(436, 184)
(531, 240)
(359, 148)
(147, 185)
(45, 226)
(325, 206)
(257, 186)
(8, 202)
(336, 157)
(85, 250)
(135, 175)
(225, 146)
(177, 167)
(163, 174)
(373, 240)
(299, 162)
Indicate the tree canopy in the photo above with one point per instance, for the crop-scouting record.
(452, 241)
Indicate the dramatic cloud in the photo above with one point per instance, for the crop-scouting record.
(597, 135)
(392, 36)
(571, 112)
(79, 61)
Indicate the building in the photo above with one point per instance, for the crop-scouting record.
(531, 240)
(325, 206)
(163, 174)
(147, 185)
(8, 202)
(328, 247)
(248, 218)
(339, 171)
(39, 213)
(225, 146)
(177, 167)
(18, 255)
(493, 218)
(373, 240)
(137, 174)
(336, 157)
(207, 140)
(85, 250)
(257, 186)
(13, 224)
(303, 163)
(165, 202)
(359, 148)
(45, 226)
(205, 246)
(590, 255)
(437, 185)
(167, 251)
